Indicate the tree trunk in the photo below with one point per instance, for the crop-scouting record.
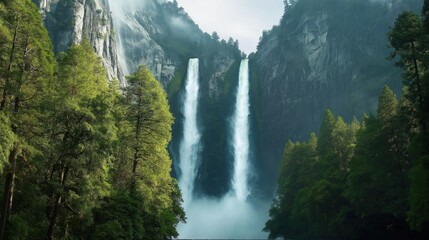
(7, 201)
(137, 141)
(57, 205)
(421, 106)
(54, 217)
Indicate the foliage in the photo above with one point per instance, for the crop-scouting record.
(81, 130)
(7, 139)
(409, 39)
(370, 179)
(27, 65)
(146, 201)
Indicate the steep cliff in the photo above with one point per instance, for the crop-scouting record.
(324, 54)
(161, 35)
(70, 21)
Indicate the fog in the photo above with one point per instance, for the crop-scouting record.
(226, 218)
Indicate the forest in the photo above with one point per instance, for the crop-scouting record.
(80, 158)
(366, 179)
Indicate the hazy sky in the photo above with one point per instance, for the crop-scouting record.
(240, 19)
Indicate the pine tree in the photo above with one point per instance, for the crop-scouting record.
(387, 105)
(81, 132)
(406, 38)
(325, 140)
(27, 64)
(410, 39)
(142, 165)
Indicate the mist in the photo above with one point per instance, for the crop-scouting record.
(131, 5)
(225, 218)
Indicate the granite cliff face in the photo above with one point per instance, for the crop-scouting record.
(324, 54)
(70, 21)
(134, 34)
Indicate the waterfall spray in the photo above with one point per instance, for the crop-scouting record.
(240, 137)
(189, 146)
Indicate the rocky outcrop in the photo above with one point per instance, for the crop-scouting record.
(161, 36)
(324, 54)
(136, 44)
(70, 21)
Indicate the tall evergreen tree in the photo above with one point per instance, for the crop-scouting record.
(142, 166)
(407, 40)
(27, 64)
(325, 141)
(81, 132)
(410, 39)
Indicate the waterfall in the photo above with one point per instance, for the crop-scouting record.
(235, 215)
(189, 146)
(240, 136)
(119, 17)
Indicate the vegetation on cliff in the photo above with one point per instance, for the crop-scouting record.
(368, 179)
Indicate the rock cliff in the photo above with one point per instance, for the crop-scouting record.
(324, 54)
(70, 21)
(160, 35)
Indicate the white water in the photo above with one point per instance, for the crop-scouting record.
(120, 10)
(232, 216)
(189, 146)
(240, 129)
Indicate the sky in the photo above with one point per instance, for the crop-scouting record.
(240, 19)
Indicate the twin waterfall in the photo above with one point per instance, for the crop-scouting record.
(232, 216)
(189, 146)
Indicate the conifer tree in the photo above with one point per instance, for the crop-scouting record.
(410, 39)
(81, 133)
(142, 166)
(27, 64)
